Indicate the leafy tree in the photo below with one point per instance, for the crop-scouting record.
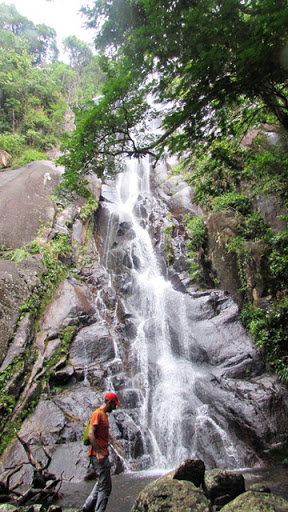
(40, 39)
(12, 20)
(213, 65)
(87, 74)
(79, 53)
(43, 46)
(31, 102)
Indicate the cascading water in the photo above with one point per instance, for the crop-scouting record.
(163, 368)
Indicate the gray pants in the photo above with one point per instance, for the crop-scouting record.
(98, 498)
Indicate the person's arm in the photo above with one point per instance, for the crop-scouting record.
(93, 442)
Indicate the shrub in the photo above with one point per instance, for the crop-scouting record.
(269, 329)
(278, 261)
(29, 156)
(267, 166)
(253, 227)
(88, 208)
(11, 143)
(215, 170)
(234, 200)
(197, 231)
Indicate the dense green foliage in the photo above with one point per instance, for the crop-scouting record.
(212, 65)
(36, 89)
(17, 32)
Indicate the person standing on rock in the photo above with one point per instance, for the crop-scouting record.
(98, 451)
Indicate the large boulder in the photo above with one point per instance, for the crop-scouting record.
(221, 490)
(222, 227)
(72, 301)
(192, 471)
(222, 486)
(25, 204)
(252, 501)
(169, 494)
(5, 159)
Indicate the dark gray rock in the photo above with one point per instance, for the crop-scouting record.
(192, 471)
(223, 485)
(92, 345)
(22, 339)
(261, 399)
(14, 292)
(63, 376)
(72, 304)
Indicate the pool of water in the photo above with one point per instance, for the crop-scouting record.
(125, 489)
(127, 486)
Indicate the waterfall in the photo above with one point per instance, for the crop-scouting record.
(174, 422)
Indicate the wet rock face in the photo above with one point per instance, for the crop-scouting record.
(72, 303)
(16, 285)
(93, 344)
(25, 206)
(22, 340)
(174, 192)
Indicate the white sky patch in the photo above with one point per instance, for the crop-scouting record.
(62, 15)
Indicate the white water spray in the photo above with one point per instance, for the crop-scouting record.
(162, 369)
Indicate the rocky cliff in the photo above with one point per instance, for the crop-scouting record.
(69, 322)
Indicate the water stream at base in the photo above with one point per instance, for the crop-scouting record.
(127, 486)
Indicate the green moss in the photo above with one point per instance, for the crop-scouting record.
(62, 351)
(9, 434)
(168, 248)
(195, 227)
(168, 229)
(89, 208)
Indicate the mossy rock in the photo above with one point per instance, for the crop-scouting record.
(171, 495)
(252, 501)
